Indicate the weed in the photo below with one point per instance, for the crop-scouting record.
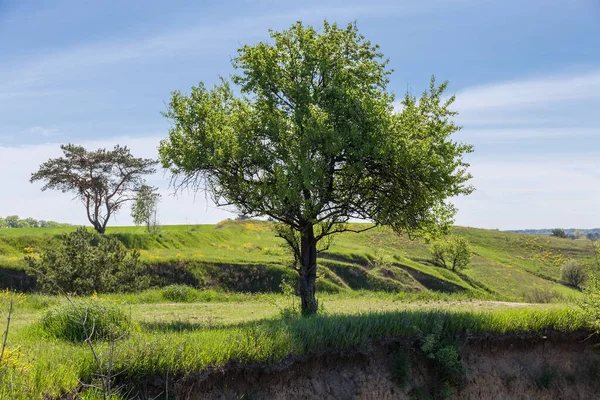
(179, 293)
(85, 319)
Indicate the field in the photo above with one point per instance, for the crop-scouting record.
(246, 256)
(374, 287)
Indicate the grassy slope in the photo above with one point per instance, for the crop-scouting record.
(506, 264)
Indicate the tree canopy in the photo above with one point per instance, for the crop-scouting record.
(312, 141)
(103, 179)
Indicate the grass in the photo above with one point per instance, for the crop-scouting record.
(375, 286)
(246, 256)
(184, 338)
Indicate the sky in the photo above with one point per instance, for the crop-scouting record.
(526, 76)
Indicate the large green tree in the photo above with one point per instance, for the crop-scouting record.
(103, 180)
(312, 141)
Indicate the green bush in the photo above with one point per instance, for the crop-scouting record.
(573, 274)
(85, 262)
(590, 305)
(179, 293)
(83, 319)
(538, 295)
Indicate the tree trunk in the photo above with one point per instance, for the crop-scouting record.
(308, 271)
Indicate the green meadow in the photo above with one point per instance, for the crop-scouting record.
(221, 302)
(246, 256)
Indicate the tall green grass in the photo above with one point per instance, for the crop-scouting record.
(186, 349)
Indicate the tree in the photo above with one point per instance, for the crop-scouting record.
(559, 233)
(144, 207)
(3, 223)
(22, 223)
(103, 179)
(453, 253)
(12, 221)
(32, 222)
(313, 141)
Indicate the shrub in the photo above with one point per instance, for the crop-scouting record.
(453, 253)
(400, 367)
(559, 233)
(85, 319)
(537, 295)
(85, 262)
(590, 305)
(179, 293)
(573, 274)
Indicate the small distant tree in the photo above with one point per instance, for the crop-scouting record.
(572, 273)
(12, 221)
(3, 223)
(453, 253)
(145, 207)
(32, 222)
(592, 236)
(559, 233)
(22, 223)
(103, 179)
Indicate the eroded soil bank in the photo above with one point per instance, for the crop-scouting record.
(542, 367)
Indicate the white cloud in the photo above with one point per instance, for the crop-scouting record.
(554, 191)
(26, 199)
(531, 92)
(519, 133)
(28, 77)
(38, 130)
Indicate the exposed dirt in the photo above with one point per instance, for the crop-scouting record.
(552, 367)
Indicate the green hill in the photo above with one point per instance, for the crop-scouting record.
(246, 256)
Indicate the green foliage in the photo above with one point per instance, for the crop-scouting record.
(179, 293)
(573, 273)
(441, 350)
(313, 141)
(590, 305)
(453, 253)
(86, 262)
(219, 257)
(290, 307)
(83, 319)
(400, 366)
(559, 233)
(144, 208)
(14, 221)
(103, 179)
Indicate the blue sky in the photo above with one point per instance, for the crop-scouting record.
(526, 76)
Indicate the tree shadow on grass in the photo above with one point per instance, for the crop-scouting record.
(206, 323)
